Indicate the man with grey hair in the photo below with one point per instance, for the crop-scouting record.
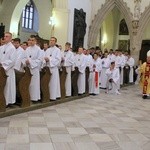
(145, 76)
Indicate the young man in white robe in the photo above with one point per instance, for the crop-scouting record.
(111, 55)
(89, 58)
(7, 61)
(24, 45)
(67, 60)
(32, 59)
(130, 62)
(113, 77)
(20, 54)
(95, 70)
(80, 62)
(105, 66)
(118, 62)
(52, 59)
(100, 61)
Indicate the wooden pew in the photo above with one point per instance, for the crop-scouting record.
(74, 78)
(87, 73)
(22, 86)
(45, 79)
(62, 75)
(3, 78)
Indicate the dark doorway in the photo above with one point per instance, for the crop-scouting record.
(144, 49)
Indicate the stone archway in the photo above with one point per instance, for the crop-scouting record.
(102, 13)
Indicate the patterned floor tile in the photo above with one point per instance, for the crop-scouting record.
(103, 122)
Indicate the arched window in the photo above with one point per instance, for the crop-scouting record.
(28, 15)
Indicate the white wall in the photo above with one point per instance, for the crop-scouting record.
(78, 4)
(147, 32)
(6, 12)
(45, 11)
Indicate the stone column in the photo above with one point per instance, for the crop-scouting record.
(136, 38)
(136, 41)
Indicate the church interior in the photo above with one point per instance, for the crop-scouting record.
(80, 121)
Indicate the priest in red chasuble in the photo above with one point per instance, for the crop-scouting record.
(145, 76)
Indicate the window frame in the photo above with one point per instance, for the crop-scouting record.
(28, 16)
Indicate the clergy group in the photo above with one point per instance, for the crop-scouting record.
(108, 70)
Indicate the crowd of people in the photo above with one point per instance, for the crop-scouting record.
(108, 69)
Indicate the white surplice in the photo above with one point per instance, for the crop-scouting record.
(54, 55)
(103, 77)
(68, 62)
(118, 62)
(7, 59)
(20, 55)
(123, 61)
(89, 59)
(130, 62)
(33, 54)
(111, 57)
(80, 62)
(94, 73)
(114, 74)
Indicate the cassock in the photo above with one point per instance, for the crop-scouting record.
(19, 56)
(33, 54)
(113, 79)
(80, 62)
(130, 63)
(145, 78)
(54, 55)
(7, 59)
(68, 62)
(103, 77)
(95, 69)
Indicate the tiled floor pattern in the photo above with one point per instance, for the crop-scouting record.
(103, 122)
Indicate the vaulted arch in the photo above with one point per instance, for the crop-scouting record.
(102, 13)
(16, 16)
(40, 12)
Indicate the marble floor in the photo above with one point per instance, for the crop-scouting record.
(103, 122)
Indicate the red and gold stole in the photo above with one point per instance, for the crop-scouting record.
(96, 79)
(146, 78)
